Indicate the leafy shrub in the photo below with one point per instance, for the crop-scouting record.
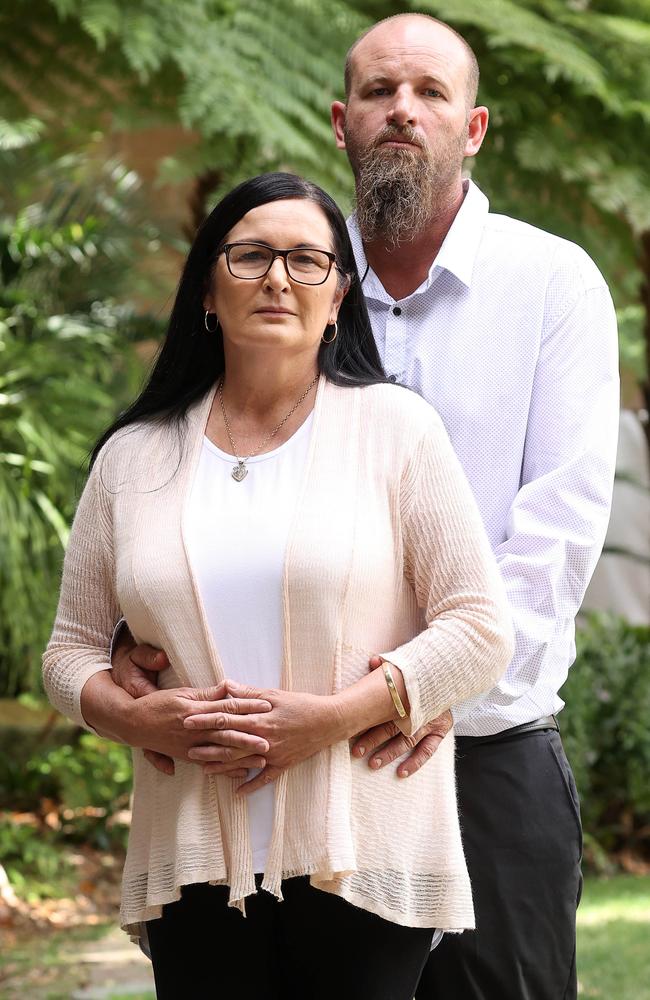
(72, 789)
(76, 790)
(606, 731)
(69, 238)
(29, 730)
(32, 858)
(94, 772)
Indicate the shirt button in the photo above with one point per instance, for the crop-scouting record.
(392, 378)
(397, 311)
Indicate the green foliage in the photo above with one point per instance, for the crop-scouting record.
(257, 93)
(567, 83)
(76, 771)
(606, 734)
(88, 778)
(31, 856)
(69, 794)
(65, 367)
(93, 772)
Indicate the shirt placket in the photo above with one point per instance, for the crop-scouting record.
(395, 343)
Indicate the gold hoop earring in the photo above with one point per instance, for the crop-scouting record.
(210, 329)
(336, 331)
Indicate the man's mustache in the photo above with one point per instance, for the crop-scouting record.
(403, 133)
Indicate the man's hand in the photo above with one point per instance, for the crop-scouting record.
(134, 668)
(384, 744)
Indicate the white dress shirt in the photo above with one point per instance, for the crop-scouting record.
(512, 337)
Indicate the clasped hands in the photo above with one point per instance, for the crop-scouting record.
(232, 728)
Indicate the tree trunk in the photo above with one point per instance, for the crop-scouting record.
(645, 299)
(204, 185)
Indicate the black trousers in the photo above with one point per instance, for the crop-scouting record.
(523, 842)
(312, 946)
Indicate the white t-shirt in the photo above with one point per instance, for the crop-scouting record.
(237, 537)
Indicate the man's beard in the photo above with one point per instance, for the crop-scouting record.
(400, 190)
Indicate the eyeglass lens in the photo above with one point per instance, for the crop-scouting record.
(248, 260)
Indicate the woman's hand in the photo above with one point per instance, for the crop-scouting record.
(298, 726)
(134, 668)
(155, 723)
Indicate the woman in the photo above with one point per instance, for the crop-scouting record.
(270, 510)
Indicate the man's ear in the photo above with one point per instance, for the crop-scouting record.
(338, 123)
(478, 123)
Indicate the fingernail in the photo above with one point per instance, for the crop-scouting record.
(376, 762)
(404, 772)
(361, 751)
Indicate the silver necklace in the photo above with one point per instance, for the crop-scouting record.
(240, 471)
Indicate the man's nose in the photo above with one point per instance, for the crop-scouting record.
(403, 109)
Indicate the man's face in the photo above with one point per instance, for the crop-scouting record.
(406, 126)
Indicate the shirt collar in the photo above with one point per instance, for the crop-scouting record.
(456, 255)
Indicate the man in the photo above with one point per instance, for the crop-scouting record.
(510, 333)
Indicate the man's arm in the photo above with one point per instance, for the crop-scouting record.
(557, 522)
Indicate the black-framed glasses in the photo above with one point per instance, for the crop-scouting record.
(306, 265)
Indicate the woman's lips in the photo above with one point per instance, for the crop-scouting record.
(274, 312)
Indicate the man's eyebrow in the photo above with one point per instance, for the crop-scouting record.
(378, 78)
(386, 78)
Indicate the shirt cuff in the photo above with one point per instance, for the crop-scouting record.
(115, 637)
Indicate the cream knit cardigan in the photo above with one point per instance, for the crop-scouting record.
(386, 554)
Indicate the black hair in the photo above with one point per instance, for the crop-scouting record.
(190, 360)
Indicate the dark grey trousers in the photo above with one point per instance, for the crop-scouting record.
(523, 842)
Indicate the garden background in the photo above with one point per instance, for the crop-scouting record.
(121, 124)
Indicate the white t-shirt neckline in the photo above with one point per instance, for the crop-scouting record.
(233, 459)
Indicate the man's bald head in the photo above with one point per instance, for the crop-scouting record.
(472, 63)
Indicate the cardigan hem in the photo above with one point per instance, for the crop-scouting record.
(446, 920)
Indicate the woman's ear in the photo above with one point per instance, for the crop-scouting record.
(210, 291)
(342, 290)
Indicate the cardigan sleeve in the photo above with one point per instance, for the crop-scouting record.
(88, 609)
(468, 642)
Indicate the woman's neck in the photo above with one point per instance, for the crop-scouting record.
(261, 388)
(256, 397)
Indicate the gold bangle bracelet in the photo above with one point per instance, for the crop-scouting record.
(394, 693)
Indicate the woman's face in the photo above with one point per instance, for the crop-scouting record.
(276, 312)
